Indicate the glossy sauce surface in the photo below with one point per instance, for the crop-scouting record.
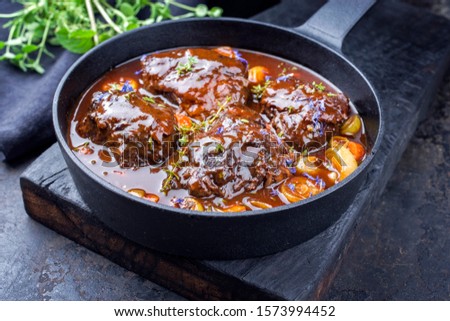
(217, 129)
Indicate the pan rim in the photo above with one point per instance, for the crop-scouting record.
(220, 215)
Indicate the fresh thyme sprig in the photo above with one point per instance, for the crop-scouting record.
(172, 169)
(209, 121)
(187, 67)
(319, 86)
(79, 25)
(149, 99)
(186, 135)
(259, 90)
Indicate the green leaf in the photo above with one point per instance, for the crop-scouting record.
(18, 57)
(201, 10)
(127, 9)
(29, 48)
(2, 45)
(132, 26)
(78, 41)
(32, 26)
(162, 11)
(37, 33)
(103, 37)
(215, 12)
(53, 41)
(38, 69)
(81, 34)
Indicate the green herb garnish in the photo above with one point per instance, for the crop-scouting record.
(220, 148)
(208, 122)
(187, 67)
(184, 139)
(186, 134)
(172, 171)
(79, 25)
(149, 99)
(320, 87)
(259, 90)
(77, 148)
(150, 143)
(114, 87)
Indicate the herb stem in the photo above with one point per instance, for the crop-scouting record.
(16, 14)
(105, 16)
(10, 36)
(180, 5)
(117, 12)
(36, 63)
(219, 111)
(186, 15)
(91, 16)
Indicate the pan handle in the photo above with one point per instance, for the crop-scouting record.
(332, 22)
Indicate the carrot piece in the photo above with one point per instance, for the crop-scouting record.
(357, 150)
(183, 121)
(257, 74)
(151, 197)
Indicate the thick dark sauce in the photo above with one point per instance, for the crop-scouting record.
(151, 178)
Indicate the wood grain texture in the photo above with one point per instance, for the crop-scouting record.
(403, 51)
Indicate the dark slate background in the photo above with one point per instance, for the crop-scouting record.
(411, 227)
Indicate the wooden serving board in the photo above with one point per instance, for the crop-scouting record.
(402, 50)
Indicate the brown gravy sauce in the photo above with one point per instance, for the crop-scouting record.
(150, 178)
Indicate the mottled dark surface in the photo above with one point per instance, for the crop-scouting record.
(402, 252)
(39, 264)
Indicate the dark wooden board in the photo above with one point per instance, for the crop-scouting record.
(403, 51)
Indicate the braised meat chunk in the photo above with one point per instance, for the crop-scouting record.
(196, 79)
(235, 155)
(302, 113)
(138, 129)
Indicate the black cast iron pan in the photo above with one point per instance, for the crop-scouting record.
(316, 44)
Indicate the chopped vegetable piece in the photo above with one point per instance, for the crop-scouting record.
(257, 74)
(357, 150)
(137, 192)
(151, 197)
(183, 121)
(260, 204)
(232, 208)
(342, 160)
(351, 126)
(298, 188)
(194, 204)
(308, 164)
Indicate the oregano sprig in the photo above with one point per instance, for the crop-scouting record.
(79, 25)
